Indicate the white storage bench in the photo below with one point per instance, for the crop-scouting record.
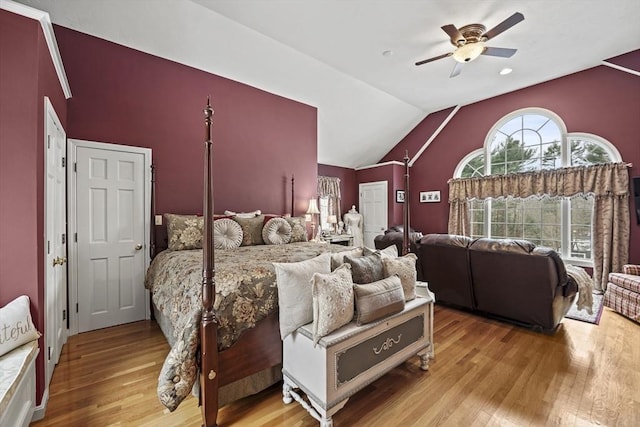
(352, 357)
(18, 385)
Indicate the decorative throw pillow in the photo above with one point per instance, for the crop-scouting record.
(378, 300)
(388, 252)
(16, 325)
(405, 268)
(184, 231)
(294, 291)
(276, 231)
(366, 269)
(332, 301)
(244, 214)
(337, 259)
(298, 229)
(227, 234)
(251, 230)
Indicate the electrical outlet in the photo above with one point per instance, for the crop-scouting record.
(158, 219)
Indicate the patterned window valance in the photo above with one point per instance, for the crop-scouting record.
(329, 186)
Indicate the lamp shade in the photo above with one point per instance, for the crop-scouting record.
(332, 219)
(313, 207)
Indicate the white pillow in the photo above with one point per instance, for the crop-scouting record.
(227, 234)
(276, 231)
(16, 326)
(293, 280)
(332, 301)
(244, 214)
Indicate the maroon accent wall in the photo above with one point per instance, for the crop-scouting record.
(125, 96)
(27, 75)
(629, 60)
(348, 185)
(601, 101)
(414, 141)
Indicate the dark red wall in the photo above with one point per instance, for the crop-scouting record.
(348, 185)
(27, 75)
(601, 101)
(124, 96)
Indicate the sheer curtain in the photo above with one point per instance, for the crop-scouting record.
(329, 187)
(609, 183)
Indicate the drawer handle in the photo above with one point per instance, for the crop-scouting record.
(387, 344)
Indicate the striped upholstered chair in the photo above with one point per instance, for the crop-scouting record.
(623, 292)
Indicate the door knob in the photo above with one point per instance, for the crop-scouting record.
(59, 261)
(138, 246)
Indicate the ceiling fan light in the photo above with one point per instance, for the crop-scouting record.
(468, 52)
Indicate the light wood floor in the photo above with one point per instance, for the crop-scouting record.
(485, 373)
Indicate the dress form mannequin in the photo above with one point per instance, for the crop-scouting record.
(353, 223)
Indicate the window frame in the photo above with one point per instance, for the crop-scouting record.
(565, 159)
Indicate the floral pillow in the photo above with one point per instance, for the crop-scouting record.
(298, 229)
(251, 230)
(184, 231)
(405, 268)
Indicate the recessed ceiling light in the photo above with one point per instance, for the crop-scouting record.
(387, 53)
(505, 71)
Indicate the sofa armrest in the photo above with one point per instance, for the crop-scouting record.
(631, 269)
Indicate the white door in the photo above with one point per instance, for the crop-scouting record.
(111, 223)
(373, 207)
(55, 245)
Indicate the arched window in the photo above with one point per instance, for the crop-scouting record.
(530, 140)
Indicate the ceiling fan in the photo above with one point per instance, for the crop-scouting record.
(469, 42)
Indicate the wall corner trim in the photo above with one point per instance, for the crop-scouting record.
(435, 134)
(393, 162)
(49, 35)
(621, 68)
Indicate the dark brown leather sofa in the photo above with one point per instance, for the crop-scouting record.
(510, 279)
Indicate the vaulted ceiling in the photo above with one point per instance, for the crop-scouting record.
(354, 60)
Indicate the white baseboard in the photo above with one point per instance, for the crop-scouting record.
(39, 411)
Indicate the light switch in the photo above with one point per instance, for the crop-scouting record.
(158, 219)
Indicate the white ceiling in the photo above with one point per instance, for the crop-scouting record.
(328, 53)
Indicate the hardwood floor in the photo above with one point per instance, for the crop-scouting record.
(484, 373)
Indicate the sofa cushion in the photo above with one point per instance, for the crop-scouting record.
(626, 281)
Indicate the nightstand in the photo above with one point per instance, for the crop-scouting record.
(339, 239)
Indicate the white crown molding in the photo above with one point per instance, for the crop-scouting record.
(49, 35)
(393, 162)
(435, 134)
(621, 68)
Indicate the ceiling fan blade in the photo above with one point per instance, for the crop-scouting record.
(504, 25)
(434, 58)
(499, 51)
(456, 69)
(455, 35)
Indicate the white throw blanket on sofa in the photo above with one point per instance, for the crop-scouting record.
(585, 287)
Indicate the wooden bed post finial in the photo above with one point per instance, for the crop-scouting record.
(209, 324)
(406, 248)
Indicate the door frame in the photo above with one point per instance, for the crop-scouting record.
(364, 185)
(51, 117)
(72, 147)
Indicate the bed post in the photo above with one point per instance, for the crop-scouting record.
(292, 198)
(406, 248)
(152, 226)
(209, 324)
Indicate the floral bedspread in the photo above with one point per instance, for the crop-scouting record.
(245, 294)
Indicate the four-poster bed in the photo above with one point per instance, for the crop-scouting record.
(227, 354)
